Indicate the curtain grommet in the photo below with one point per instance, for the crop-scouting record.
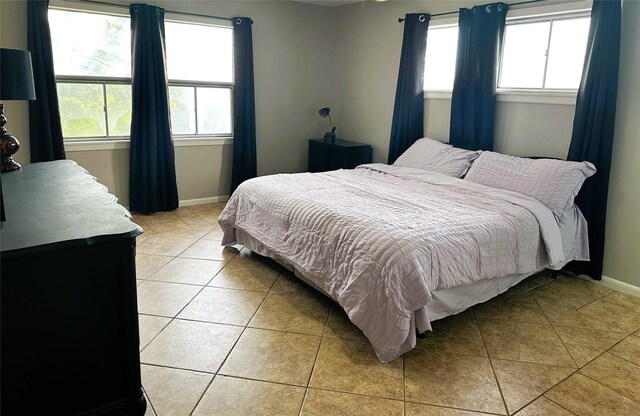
(422, 18)
(238, 21)
(488, 9)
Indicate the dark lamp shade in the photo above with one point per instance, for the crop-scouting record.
(16, 75)
(324, 112)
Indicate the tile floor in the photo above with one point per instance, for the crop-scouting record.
(226, 332)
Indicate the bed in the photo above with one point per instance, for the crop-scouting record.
(400, 246)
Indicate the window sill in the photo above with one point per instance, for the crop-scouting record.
(538, 97)
(89, 144)
(518, 96)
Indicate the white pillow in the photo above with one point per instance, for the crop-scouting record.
(555, 183)
(429, 154)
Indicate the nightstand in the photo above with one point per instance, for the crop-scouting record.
(341, 154)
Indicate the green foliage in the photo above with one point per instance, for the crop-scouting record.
(182, 109)
(82, 104)
(81, 110)
(119, 106)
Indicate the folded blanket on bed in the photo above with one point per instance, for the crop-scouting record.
(378, 239)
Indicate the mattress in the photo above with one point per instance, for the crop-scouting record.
(393, 245)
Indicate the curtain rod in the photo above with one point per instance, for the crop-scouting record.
(400, 19)
(104, 3)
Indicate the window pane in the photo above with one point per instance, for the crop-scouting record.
(185, 63)
(524, 55)
(566, 53)
(183, 110)
(89, 44)
(119, 109)
(440, 59)
(81, 110)
(214, 110)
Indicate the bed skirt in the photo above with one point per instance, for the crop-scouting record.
(446, 302)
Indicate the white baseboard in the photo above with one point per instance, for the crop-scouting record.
(618, 285)
(200, 201)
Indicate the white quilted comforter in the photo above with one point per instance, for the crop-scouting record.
(378, 239)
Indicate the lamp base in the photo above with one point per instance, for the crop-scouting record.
(7, 164)
(329, 137)
(9, 145)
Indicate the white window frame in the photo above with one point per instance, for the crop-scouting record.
(99, 143)
(103, 9)
(102, 81)
(435, 23)
(176, 18)
(538, 12)
(543, 89)
(442, 23)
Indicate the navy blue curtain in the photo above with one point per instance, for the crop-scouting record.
(152, 170)
(408, 111)
(244, 104)
(593, 125)
(473, 101)
(45, 128)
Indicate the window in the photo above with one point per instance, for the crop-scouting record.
(440, 59)
(200, 82)
(539, 53)
(544, 54)
(93, 75)
(93, 72)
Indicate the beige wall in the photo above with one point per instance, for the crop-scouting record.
(518, 130)
(347, 57)
(622, 245)
(291, 49)
(366, 55)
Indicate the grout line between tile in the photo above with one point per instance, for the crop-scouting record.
(504, 402)
(553, 401)
(156, 335)
(605, 386)
(439, 406)
(149, 403)
(349, 393)
(202, 396)
(549, 389)
(610, 351)
(404, 381)
(315, 359)
(555, 331)
(174, 318)
(304, 399)
(179, 318)
(263, 381)
(593, 300)
(179, 368)
(243, 331)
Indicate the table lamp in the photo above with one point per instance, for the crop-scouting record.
(329, 136)
(16, 83)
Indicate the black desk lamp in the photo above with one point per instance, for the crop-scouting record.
(329, 136)
(16, 83)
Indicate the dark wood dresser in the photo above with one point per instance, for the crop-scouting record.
(69, 333)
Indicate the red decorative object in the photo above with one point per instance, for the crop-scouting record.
(9, 145)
